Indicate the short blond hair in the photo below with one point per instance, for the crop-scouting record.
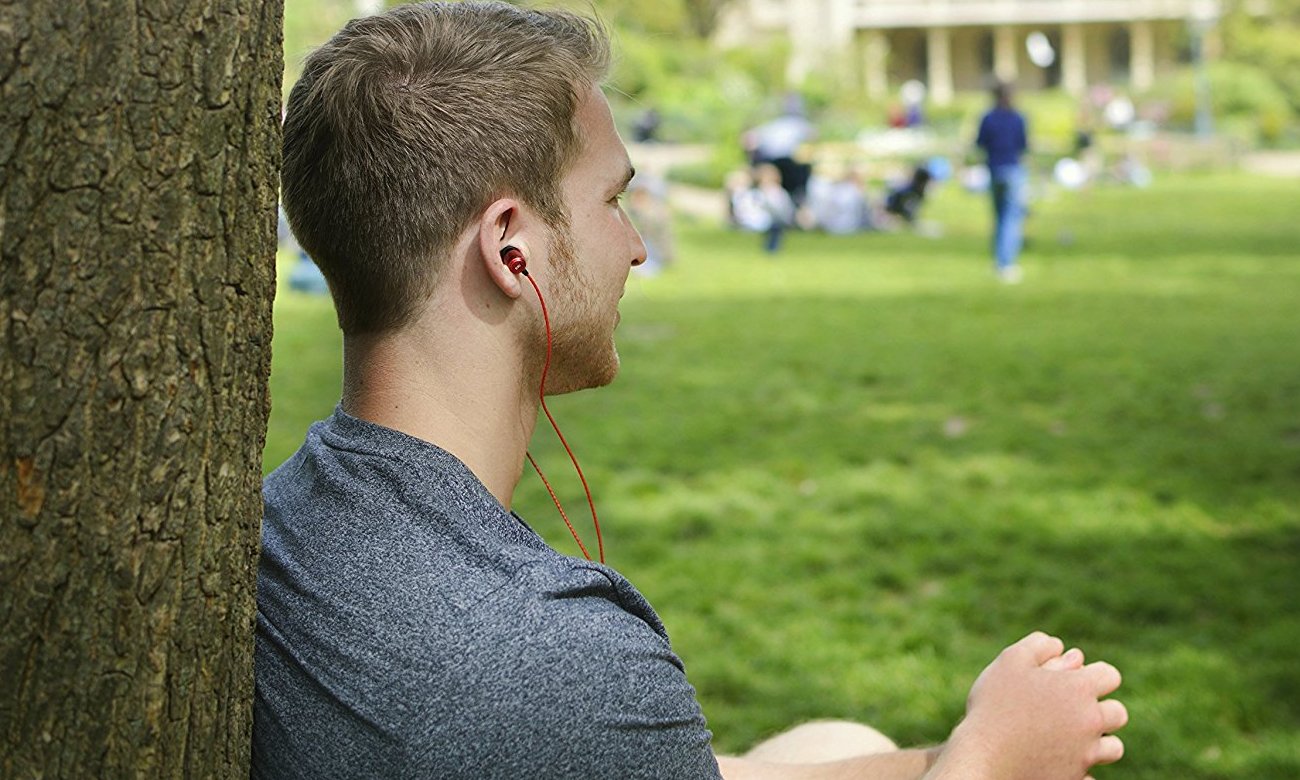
(406, 125)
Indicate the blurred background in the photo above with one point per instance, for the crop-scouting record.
(845, 460)
(1166, 69)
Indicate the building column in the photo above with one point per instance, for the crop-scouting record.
(803, 31)
(1006, 58)
(876, 64)
(819, 29)
(938, 45)
(1142, 56)
(1074, 59)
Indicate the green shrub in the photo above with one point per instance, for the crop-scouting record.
(1243, 97)
(1053, 118)
(702, 95)
(711, 174)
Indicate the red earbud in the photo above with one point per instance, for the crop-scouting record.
(514, 260)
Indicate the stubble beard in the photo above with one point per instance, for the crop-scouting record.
(583, 354)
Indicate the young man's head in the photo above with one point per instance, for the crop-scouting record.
(1003, 92)
(406, 126)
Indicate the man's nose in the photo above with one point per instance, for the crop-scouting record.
(639, 251)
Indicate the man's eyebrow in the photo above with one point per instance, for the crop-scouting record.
(627, 177)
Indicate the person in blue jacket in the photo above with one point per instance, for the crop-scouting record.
(1004, 137)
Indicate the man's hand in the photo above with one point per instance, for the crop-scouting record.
(1036, 712)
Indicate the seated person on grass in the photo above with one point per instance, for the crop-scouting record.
(409, 623)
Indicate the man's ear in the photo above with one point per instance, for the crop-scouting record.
(504, 223)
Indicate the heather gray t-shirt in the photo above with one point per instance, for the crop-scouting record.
(408, 626)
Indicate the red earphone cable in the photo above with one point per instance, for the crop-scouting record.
(541, 393)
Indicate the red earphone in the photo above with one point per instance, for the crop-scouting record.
(513, 258)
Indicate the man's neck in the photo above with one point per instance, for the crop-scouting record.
(480, 405)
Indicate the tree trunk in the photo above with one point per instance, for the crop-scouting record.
(139, 156)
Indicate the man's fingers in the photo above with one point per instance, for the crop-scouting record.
(1109, 750)
(1103, 677)
(1040, 647)
(1114, 715)
(1071, 661)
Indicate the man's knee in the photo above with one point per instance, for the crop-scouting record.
(822, 740)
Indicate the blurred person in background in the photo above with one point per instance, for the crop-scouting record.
(764, 207)
(647, 206)
(905, 200)
(1004, 137)
(839, 206)
(777, 143)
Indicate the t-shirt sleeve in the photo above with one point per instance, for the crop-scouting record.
(586, 686)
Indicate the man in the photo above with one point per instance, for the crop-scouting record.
(777, 143)
(1004, 137)
(409, 624)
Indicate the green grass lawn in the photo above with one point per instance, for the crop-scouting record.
(848, 476)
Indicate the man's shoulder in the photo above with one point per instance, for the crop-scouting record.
(573, 595)
(569, 673)
(351, 479)
(409, 625)
(539, 674)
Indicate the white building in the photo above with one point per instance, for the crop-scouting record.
(955, 45)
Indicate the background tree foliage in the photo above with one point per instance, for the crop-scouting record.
(697, 18)
(1269, 41)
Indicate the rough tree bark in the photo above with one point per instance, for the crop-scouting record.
(139, 153)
